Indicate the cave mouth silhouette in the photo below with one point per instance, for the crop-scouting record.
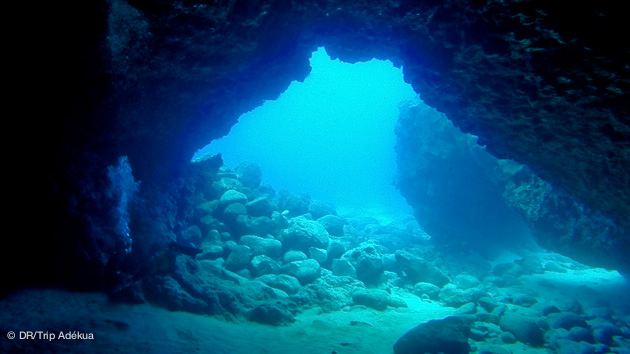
(330, 136)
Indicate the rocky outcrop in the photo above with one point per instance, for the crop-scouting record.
(467, 198)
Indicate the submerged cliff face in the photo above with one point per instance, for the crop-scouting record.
(156, 80)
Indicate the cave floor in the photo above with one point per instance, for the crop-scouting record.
(149, 329)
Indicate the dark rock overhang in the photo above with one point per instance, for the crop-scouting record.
(156, 80)
(537, 84)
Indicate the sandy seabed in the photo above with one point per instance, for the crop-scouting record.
(123, 328)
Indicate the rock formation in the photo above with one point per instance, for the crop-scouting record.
(157, 80)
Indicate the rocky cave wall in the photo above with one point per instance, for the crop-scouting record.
(156, 80)
(467, 199)
(544, 87)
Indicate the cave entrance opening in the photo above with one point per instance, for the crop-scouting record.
(330, 136)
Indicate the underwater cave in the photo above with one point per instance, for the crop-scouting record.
(475, 200)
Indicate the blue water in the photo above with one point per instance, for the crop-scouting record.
(331, 136)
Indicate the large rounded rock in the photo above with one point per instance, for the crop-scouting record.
(304, 271)
(428, 289)
(373, 298)
(304, 233)
(238, 258)
(524, 327)
(455, 297)
(447, 336)
(261, 265)
(230, 197)
(292, 256)
(284, 282)
(465, 281)
(259, 245)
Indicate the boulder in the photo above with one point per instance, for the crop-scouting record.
(232, 212)
(304, 233)
(260, 245)
(455, 297)
(343, 267)
(260, 206)
(465, 281)
(333, 224)
(284, 282)
(261, 265)
(238, 258)
(304, 271)
(230, 197)
(397, 302)
(318, 254)
(428, 289)
(217, 188)
(211, 252)
(447, 336)
(373, 298)
(420, 270)
(523, 326)
(292, 256)
(335, 250)
(367, 261)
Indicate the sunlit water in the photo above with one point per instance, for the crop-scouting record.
(331, 136)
